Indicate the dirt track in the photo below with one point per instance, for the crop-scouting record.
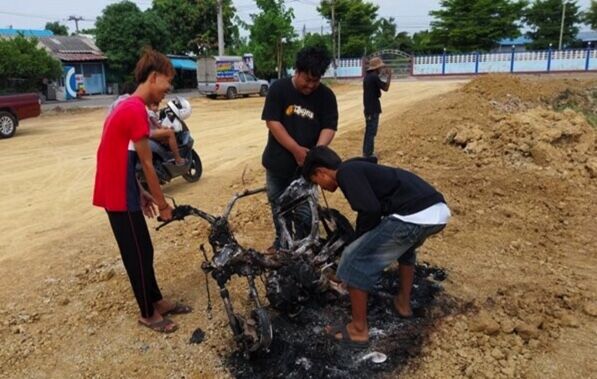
(521, 248)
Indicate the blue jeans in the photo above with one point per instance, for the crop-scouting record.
(364, 260)
(300, 224)
(371, 124)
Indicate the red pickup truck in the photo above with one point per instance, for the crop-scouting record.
(14, 108)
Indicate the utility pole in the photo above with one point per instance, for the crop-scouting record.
(220, 29)
(304, 33)
(76, 19)
(333, 3)
(339, 40)
(562, 25)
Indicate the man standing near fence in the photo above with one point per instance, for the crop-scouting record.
(378, 78)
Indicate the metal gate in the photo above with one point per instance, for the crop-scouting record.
(398, 60)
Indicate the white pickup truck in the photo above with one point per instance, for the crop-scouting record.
(227, 76)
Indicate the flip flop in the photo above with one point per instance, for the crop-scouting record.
(162, 326)
(345, 340)
(179, 309)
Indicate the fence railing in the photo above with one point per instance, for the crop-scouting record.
(481, 63)
(513, 62)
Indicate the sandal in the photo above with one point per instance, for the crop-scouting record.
(345, 340)
(179, 309)
(163, 326)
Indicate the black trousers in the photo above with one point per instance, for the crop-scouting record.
(136, 250)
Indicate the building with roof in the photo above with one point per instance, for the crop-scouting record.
(520, 43)
(75, 52)
(186, 71)
(84, 56)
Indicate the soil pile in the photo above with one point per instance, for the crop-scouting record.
(525, 122)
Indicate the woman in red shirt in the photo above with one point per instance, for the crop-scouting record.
(124, 142)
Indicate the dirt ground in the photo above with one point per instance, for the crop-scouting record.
(516, 159)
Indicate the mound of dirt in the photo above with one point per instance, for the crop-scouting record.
(521, 127)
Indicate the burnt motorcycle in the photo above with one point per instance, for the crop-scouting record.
(298, 270)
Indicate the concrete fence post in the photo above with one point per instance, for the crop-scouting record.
(588, 60)
(512, 59)
(549, 58)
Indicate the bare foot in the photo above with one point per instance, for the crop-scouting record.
(356, 334)
(158, 323)
(403, 306)
(163, 306)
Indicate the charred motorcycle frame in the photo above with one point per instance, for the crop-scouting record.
(297, 271)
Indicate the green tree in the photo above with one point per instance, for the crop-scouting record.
(24, 61)
(473, 25)
(591, 15)
(357, 22)
(57, 28)
(316, 39)
(544, 18)
(122, 31)
(192, 24)
(271, 37)
(404, 42)
(385, 36)
(422, 43)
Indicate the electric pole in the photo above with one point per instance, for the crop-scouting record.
(220, 29)
(339, 40)
(562, 25)
(76, 19)
(333, 3)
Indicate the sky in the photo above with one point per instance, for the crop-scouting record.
(410, 15)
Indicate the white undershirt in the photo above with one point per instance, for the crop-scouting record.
(437, 214)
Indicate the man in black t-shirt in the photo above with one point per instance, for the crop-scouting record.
(397, 212)
(300, 113)
(373, 83)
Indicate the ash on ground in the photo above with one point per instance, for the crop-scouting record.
(301, 349)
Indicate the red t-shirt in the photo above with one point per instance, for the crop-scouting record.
(115, 182)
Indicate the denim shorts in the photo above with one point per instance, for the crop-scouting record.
(364, 260)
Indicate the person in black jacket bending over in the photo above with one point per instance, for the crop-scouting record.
(300, 112)
(397, 211)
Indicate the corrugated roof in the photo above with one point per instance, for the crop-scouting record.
(77, 57)
(515, 41)
(69, 44)
(26, 32)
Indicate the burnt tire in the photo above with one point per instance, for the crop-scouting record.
(231, 93)
(263, 91)
(8, 124)
(263, 327)
(195, 170)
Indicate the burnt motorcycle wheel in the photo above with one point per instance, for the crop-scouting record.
(195, 170)
(265, 333)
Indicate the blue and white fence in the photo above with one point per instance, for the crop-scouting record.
(514, 62)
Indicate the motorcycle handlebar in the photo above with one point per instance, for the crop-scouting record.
(181, 211)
